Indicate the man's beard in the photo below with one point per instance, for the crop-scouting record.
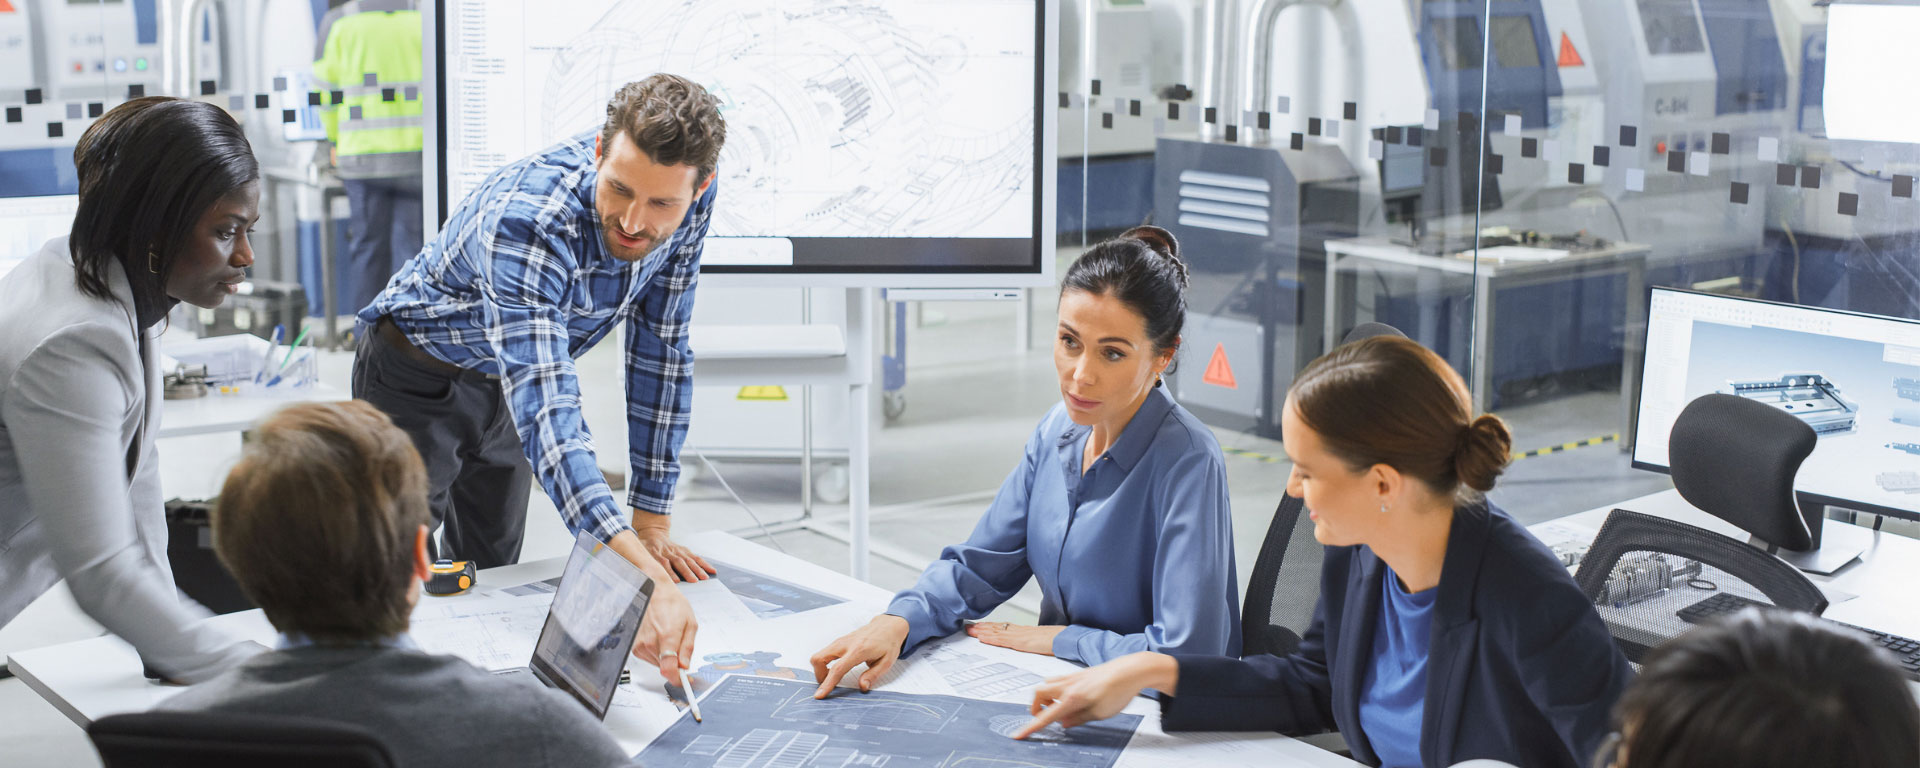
(611, 234)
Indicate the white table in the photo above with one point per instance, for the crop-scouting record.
(1880, 584)
(92, 678)
(1490, 275)
(215, 413)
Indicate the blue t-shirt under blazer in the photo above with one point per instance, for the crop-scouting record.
(1393, 700)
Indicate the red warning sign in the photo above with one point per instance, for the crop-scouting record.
(1568, 56)
(6, 7)
(1219, 373)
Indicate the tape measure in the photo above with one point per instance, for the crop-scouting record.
(451, 577)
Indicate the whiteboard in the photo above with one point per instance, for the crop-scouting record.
(896, 143)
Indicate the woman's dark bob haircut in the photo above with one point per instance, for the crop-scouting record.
(149, 169)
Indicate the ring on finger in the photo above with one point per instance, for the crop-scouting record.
(664, 654)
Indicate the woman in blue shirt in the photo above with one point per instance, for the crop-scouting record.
(1444, 633)
(1119, 506)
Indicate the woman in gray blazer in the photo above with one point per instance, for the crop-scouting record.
(168, 190)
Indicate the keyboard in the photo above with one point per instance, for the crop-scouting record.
(1905, 650)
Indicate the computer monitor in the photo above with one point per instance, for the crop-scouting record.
(1854, 378)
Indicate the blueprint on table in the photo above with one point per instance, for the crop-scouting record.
(767, 596)
(758, 722)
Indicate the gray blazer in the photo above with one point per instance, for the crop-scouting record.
(76, 400)
(431, 711)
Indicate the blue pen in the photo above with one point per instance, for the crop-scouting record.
(260, 372)
(291, 348)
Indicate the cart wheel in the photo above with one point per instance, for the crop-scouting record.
(830, 484)
(892, 404)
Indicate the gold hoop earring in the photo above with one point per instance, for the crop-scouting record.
(153, 261)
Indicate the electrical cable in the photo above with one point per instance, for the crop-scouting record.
(736, 498)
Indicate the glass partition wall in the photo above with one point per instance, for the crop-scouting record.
(1502, 180)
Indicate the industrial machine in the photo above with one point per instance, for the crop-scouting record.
(65, 63)
(1253, 199)
(1141, 52)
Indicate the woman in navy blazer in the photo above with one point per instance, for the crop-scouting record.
(1445, 631)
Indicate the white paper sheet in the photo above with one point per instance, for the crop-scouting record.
(493, 632)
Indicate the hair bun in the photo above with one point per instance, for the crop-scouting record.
(1161, 242)
(1482, 451)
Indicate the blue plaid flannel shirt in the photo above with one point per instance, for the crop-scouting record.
(519, 283)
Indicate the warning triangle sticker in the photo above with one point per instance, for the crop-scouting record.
(1219, 373)
(1568, 56)
(6, 7)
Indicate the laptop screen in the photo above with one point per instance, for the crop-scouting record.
(589, 632)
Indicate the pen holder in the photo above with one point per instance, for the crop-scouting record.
(301, 372)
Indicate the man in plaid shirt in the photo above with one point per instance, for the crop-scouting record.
(471, 347)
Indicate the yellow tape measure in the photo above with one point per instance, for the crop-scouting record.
(451, 577)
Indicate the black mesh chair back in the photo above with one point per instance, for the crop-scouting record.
(1285, 584)
(1736, 458)
(219, 740)
(1652, 578)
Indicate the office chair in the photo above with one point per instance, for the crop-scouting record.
(1650, 578)
(220, 740)
(1285, 586)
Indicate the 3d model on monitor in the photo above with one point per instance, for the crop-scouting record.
(1808, 396)
(1899, 482)
(1906, 388)
(1913, 448)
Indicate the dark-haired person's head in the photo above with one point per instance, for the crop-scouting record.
(1122, 305)
(169, 190)
(1381, 428)
(1766, 689)
(655, 156)
(323, 522)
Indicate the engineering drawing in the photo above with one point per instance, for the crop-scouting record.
(845, 118)
(758, 722)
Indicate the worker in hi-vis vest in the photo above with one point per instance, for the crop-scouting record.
(369, 50)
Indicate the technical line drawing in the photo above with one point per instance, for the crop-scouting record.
(975, 677)
(758, 722)
(846, 118)
(767, 596)
(866, 712)
(1008, 725)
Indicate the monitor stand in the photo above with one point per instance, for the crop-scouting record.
(1834, 546)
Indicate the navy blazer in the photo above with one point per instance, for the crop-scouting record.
(1520, 668)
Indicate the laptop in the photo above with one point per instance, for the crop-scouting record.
(589, 632)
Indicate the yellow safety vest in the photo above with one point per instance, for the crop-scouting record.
(371, 54)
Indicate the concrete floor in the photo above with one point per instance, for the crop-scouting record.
(970, 406)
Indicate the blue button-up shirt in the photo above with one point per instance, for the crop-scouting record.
(1136, 554)
(519, 283)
